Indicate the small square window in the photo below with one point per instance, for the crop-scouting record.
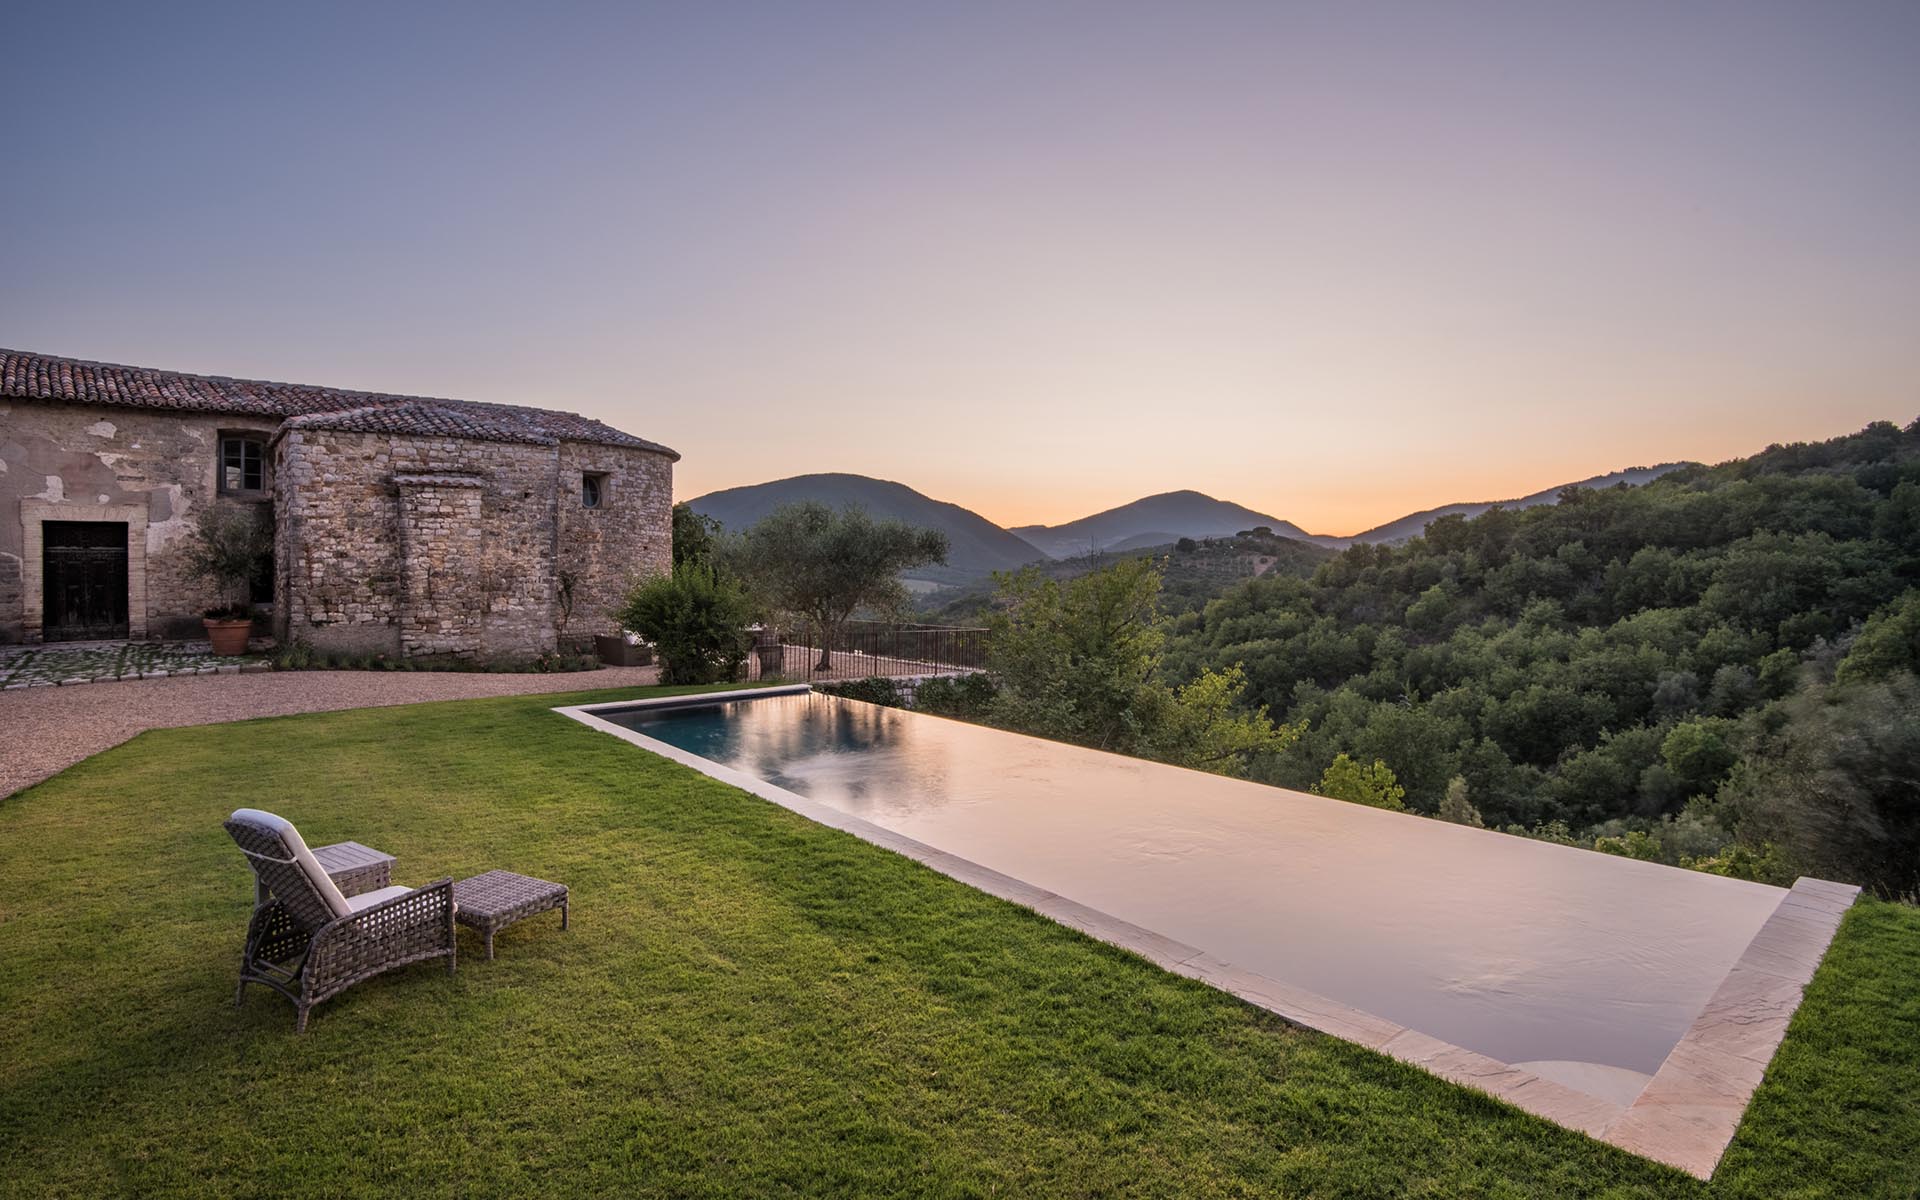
(243, 464)
(593, 489)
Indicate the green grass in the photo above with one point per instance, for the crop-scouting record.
(747, 1004)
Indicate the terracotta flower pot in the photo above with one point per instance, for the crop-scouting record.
(228, 637)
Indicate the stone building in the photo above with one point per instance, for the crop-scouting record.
(402, 525)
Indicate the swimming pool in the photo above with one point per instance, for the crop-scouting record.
(1580, 968)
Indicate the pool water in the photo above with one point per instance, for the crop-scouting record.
(1585, 968)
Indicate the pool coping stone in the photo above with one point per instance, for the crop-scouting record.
(1685, 1116)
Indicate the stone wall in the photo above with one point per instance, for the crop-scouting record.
(336, 548)
(416, 545)
(97, 462)
(629, 536)
(442, 542)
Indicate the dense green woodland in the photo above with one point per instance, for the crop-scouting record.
(1193, 571)
(1716, 668)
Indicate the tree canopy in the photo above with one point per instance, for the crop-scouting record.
(1080, 661)
(1371, 784)
(822, 564)
(696, 538)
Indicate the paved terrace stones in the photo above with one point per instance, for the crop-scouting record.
(68, 663)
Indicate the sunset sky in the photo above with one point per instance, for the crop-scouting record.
(1333, 261)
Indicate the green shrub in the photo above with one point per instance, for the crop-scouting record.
(299, 655)
(696, 618)
(560, 660)
(295, 655)
(1359, 783)
(1635, 843)
(874, 690)
(966, 697)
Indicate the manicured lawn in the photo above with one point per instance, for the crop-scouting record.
(747, 1004)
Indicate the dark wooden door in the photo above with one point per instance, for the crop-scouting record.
(86, 574)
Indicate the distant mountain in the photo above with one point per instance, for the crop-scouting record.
(976, 545)
(1157, 520)
(1414, 524)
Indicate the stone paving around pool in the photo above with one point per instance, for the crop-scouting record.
(69, 663)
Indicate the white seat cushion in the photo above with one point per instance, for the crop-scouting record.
(377, 896)
(309, 865)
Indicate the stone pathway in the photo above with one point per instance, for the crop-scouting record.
(47, 729)
(69, 663)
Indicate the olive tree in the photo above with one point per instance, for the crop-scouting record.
(826, 564)
(232, 548)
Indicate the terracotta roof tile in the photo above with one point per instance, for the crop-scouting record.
(46, 377)
(426, 419)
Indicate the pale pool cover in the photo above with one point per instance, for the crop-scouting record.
(1582, 967)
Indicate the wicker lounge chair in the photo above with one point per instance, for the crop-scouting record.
(307, 941)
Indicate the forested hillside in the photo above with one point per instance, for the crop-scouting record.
(1414, 524)
(1716, 666)
(1193, 571)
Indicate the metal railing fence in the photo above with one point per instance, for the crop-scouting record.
(803, 652)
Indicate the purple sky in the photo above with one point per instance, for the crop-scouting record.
(1334, 261)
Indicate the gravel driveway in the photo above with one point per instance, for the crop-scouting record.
(46, 730)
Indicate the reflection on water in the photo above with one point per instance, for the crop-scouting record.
(1521, 950)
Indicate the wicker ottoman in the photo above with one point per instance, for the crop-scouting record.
(495, 900)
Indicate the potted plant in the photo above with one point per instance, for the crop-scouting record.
(230, 548)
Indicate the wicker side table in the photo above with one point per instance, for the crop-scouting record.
(495, 900)
(354, 869)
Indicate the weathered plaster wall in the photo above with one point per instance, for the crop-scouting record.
(629, 536)
(103, 460)
(408, 545)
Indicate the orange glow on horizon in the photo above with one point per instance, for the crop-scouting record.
(1338, 496)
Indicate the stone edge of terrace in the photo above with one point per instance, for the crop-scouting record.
(1687, 1114)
